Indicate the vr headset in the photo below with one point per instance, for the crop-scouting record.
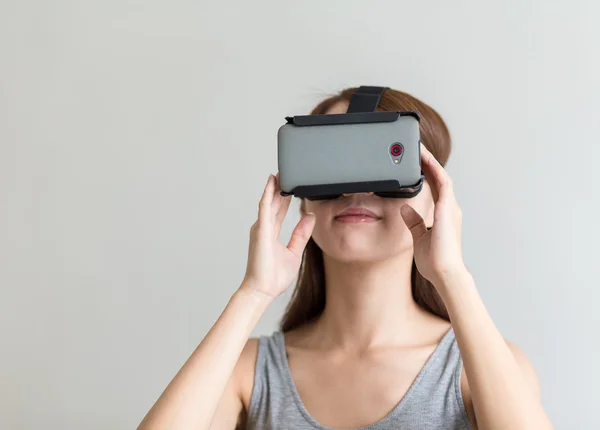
(324, 156)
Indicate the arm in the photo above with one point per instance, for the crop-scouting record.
(501, 383)
(207, 384)
(192, 397)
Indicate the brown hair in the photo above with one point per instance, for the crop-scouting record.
(308, 299)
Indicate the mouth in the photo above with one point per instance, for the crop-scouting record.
(357, 215)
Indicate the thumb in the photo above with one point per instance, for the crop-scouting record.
(413, 221)
(302, 233)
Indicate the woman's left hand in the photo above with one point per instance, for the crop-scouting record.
(438, 251)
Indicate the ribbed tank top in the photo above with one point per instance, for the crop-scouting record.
(434, 401)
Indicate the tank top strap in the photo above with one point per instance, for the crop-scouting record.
(271, 390)
(438, 383)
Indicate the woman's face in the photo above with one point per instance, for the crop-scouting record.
(364, 227)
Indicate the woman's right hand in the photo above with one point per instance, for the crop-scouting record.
(272, 266)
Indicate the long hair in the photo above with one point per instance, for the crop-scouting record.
(308, 298)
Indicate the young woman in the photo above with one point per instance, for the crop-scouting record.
(385, 329)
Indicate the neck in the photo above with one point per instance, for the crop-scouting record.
(369, 304)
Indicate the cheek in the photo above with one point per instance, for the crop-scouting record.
(322, 226)
(319, 235)
(422, 203)
(306, 206)
(395, 232)
(320, 208)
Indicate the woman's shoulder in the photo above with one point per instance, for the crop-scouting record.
(250, 353)
(245, 368)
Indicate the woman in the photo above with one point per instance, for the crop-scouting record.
(385, 329)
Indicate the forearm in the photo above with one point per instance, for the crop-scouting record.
(192, 397)
(502, 396)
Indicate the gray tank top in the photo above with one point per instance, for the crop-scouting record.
(434, 401)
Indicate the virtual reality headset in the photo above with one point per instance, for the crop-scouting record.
(363, 150)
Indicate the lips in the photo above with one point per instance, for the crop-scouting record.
(357, 214)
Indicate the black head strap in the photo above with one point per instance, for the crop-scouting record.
(365, 99)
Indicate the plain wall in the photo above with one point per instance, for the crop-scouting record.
(136, 138)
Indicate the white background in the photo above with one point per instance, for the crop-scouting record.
(136, 138)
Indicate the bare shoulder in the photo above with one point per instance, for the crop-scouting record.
(232, 409)
(245, 369)
(525, 366)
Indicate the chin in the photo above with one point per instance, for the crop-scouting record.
(361, 248)
(356, 250)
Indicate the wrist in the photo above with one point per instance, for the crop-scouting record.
(248, 291)
(454, 280)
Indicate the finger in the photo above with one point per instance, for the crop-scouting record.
(413, 221)
(436, 175)
(265, 213)
(277, 197)
(301, 234)
(281, 213)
